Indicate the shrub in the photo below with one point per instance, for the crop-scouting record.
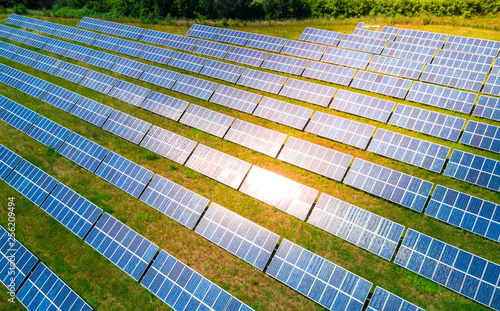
(19, 9)
(151, 156)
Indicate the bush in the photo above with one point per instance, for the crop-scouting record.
(19, 9)
(151, 156)
(52, 152)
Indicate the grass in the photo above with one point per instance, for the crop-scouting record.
(106, 287)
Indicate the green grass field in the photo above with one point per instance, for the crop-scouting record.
(105, 287)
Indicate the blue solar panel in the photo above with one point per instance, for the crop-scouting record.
(451, 267)
(382, 84)
(129, 93)
(232, 36)
(72, 210)
(214, 49)
(8, 160)
(273, 44)
(34, 86)
(78, 52)
(389, 184)
(19, 35)
(310, 92)
(235, 98)
(164, 105)
(481, 135)
(474, 169)
(126, 126)
(465, 211)
(159, 76)
(129, 67)
(156, 54)
(424, 38)
(130, 48)
(91, 111)
(169, 145)
(261, 80)
(16, 261)
(64, 31)
(222, 71)
(363, 105)
(99, 82)
(472, 45)
(106, 42)
(396, 67)
(131, 32)
(304, 49)
(492, 85)
(5, 31)
(383, 300)
(283, 112)
(329, 73)
(19, 116)
(37, 41)
(8, 50)
(287, 64)
(346, 58)
(239, 236)
(463, 60)
(202, 31)
(367, 230)
(48, 132)
(48, 64)
(246, 56)
(12, 77)
(85, 36)
(181, 42)
(321, 36)
(56, 46)
(31, 182)
(83, 152)
(71, 72)
(488, 107)
(318, 279)
(156, 37)
(454, 77)
(187, 62)
(195, 87)
(26, 57)
(175, 201)
(361, 43)
(15, 19)
(61, 98)
(4, 102)
(102, 59)
(127, 249)
(206, 120)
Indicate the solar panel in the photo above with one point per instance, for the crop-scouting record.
(304, 49)
(256, 137)
(273, 44)
(481, 135)
(347, 58)
(339, 129)
(283, 112)
(195, 87)
(236, 99)
(496, 68)
(124, 247)
(19, 116)
(64, 31)
(170, 145)
(5, 31)
(175, 201)
(246, 56)
(202, 31)
(48, 64)
(8, 160)
(263, 81)
(77, 52)
(48, 132)
(181, 42)
(182, 288)
(18, 35)
(318, 279)
(492, 85)
(126, 126)
(321, 36)
(8, 50)
(462, 60)
(159, 76)
(239, 236)
(442, 97)
(36, 40)
(44, 290)
(71, 72)
(56, 46)
(187, 62)
(214, 49)
(206, 120)
(474, 169)
(108, 27)
(91, 111)
(130, 32)
(465, 211)
(89, 23)
(15, 19)
(46, 27)
(363, 44)
(233, 36)
(313, 93)
(153, 36)
(382, 84)
(329, 73)
(362, 228)
(129, 93)
(83, 152)
(454, 77)
(218, 165)
(447, 265)
(222, 71)
(102, 59)
(413, 151)
(31, 182)
(129, 67)
(363, 105)
(164, 105)
(156, 54)
(389, 184)
(124, 174)
(26, 57)
(85, 36)
(396, 67)
(383, 300)
(4, 101)
(72, 210)
(424, 38)
(99, 82)
(387, 33)
(130, 48)
(488, 107)
(472, 45)
(315, 158)
(285, 64)
(34, 86)
(16, 261)
(106, 42)
(12, 77)
(427, 122)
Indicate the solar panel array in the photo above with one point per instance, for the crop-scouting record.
(304, 49)
(129, 67)
(481, 135)
(389, 184)
(488, 107)
(127, 249)
(83, 152)
(318, 279)
(187, 62)
(321, 36)
(195, 87)
(453, 77)
(12, 77)
(91, 111)
(474, 169)
(48, 132)
(239, 236)
(8, 160)
(369, 231)
(48, 64)
(492, 85)
(160, 76)
(181, 42)
(424, 38)
(263, 81)
(313, 93)
(382, 84)
(268, 43)
(19, 116)
(71, 72)
(232, 36)
(347, 58)
(361, 43)
(465, 211)
(106, 42)
(363, 105)
(329, 73)
(472, 45)
(280, 192)
(202, 31)
(447, 265)
(129, 93)
(283, 112)
(222, 71)
(246, 56)
(99, 82)
(156, 37)
(206, 120)
(130, 48)
(214, 49)
(383, 300)
(126, 126)
(34, 86)
(235, 98)
(462, 60)
(175, 201)
(396, 67)
(156, 54)
(168, 144)
(407, 149)
(61, 98)
(285, 64)
(165, 105)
